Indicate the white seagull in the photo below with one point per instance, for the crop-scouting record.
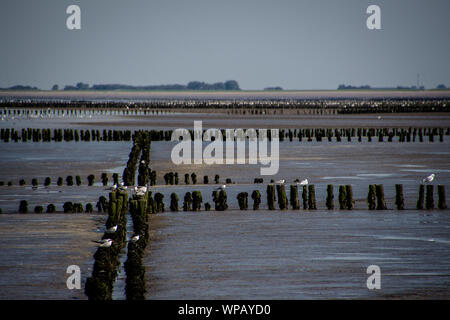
(303, 182)
(102, 241)
(222, 187)
(429, 178)
(282, 181)
(112, 229)
(135, 238)
(107, 244)
(122, 186)
(140, 191)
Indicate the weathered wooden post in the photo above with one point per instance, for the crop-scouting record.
(349, 197)
(420, 201)
(399, 200)
(69, 180)
(242, 198)
(91, 179)
(381, 204)
(174, 202)
(330, 197)
(23, 206)
(104, 178)
(256, 196)
(159, 202)
(342, 197)
(271, 196)
(51, 208)
(371, 197)
(197, 201)
(194, 178)
(429, 201)
(282, 199)
(293, 197)
(38, 209)
(305, 197)
(441, 197)
(186, 178)
(187, 202)
(311, 197)
(78, 180)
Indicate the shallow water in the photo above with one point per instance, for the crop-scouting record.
(297, 255)
(234, 254)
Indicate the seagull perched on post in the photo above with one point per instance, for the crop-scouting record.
(102, 241)
(140, 191)
(107, 244)
(222, 187)
(122, 186)
(303, 182)
(429, 178)
(282, 181)
(112, 229)
(135, 238)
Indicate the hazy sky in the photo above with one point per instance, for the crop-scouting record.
(296, 44)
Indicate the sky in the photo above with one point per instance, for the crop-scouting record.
(295, 44)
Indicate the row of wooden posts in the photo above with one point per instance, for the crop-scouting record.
(192, 201)
(69, 181)
(300, 134)
(99, 286)
(266, 105)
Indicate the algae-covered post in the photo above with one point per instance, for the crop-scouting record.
(197, 201)
(305, 197)
(293, 197)
(242, 198)
(174, 202)
(271, 196)
(256, 196)
(399, 201)
(420, 201)
(330, 197)
(311, 197)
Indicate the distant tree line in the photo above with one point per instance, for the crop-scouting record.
(193, 85)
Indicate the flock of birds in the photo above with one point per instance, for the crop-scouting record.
(106, 243)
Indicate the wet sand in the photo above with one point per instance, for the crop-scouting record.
(36, 250)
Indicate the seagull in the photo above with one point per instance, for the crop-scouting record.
(114, 187)
(102, 241)
(112, 229)
(282, 181)
(107, 244)
(122, 186)
(303, 182)
(140, 191)
(429, 178)
(135, 238)
(222, 187)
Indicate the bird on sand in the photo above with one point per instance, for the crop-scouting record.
(112, 229)
(430, 178)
